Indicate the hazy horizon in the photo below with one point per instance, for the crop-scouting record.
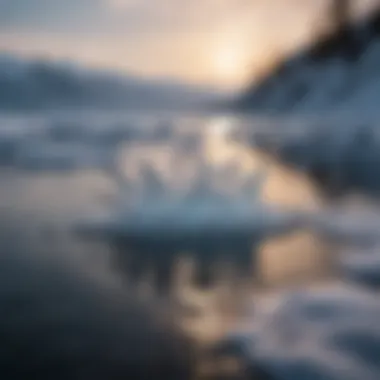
(218, 43)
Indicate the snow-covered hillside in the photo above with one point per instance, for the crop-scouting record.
(27, 83)
(338, 73)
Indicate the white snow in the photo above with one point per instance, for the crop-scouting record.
(330, 333)
(324, 332)
(333, 85)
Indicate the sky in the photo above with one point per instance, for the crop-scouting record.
(215, 42)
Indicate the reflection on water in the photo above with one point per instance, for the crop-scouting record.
(195, 155)
(154, 199)
(150, 165)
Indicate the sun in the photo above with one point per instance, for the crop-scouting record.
(226, 64)
(229, 64)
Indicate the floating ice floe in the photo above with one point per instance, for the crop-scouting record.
(320, 333)
(339, 156)
(362, 267)
(160, 223)
(45, 156)
(325, 334)
(358, 228)
(50, 142)
(329, 333)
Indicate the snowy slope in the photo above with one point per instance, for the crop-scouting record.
(337, 73)
(27, 83)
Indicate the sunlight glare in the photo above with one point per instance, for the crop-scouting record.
(231, 58)
(227, 65)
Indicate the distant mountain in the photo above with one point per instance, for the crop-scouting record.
(30, 84)
(339, 73)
